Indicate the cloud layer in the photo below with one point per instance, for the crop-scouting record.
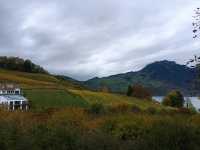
(90, 38)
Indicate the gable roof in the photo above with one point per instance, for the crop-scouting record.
(8, 86)
(7, 98)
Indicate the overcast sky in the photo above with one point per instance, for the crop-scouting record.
(88, 38)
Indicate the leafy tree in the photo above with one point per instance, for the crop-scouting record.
(105, 89)
(196, 23)
(174, 99)
(138, 91)
(129, 91)
(141, 92)
(15, 63)
(28, 66)
(195, 62)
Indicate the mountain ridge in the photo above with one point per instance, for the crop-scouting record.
(160, 77)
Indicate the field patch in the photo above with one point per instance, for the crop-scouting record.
(52, 98)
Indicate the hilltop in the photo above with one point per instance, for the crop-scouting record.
(52, 91)
(19, 64)
(48, 91)
(160, 77)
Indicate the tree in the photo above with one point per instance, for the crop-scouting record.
(141, 92)
(18, 64)
(195, 62)
(174, 99)
(196, 23)
(28, 66)
(138, 91)
(105, 89)
(129, 91)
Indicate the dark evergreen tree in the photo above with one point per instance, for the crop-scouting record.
(28, 66)
(129, 90)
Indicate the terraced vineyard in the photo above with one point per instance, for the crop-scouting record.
(46, 91)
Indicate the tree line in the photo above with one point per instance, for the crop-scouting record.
(173, 99)
(18, 64)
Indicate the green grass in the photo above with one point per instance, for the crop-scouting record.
(115, 99)
(45, 91)
(50, 98)
(34, 80)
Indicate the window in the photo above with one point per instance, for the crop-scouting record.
(17, 92)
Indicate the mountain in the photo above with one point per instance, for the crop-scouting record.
(159, 77)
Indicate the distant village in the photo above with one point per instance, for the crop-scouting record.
(11, 97)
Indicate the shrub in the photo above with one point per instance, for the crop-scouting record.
(135, 109)
(119, 108)
(185, 111)
(138, 91)
(151, 110)
(174, 99)
(96, 108)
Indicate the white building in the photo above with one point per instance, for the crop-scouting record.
(11, 97)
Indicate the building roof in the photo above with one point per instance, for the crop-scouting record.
(5, 98)
(8, 86)
(15, 97)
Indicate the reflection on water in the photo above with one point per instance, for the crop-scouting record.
(194, 100)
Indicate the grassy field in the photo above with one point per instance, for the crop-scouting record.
(53, 98)
(46, 91)
(115, 99)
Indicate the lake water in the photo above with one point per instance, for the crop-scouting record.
(194, 100)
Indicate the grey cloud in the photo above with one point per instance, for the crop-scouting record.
(90, 38)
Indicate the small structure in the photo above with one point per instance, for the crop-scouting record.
(11, 97)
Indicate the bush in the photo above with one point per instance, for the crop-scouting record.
(185, 111)
(174, 99)
(135, 109)
(119, 108)
(138, 91)
(96, 108)
(151, 110)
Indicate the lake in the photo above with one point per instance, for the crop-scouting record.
(194, 100)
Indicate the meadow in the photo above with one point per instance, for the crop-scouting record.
(79, 129)
(66, 116)
(46, 91)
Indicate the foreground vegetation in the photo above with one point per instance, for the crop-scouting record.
(80, 129)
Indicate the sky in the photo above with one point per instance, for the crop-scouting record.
(88, 38)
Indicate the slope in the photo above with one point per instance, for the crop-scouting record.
(160, 77)
(46, 91)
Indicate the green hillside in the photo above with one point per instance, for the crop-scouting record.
(47, 91)
(159, 77)
(109, 99)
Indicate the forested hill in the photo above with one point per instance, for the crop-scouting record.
(160, 77)
(18, 64)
